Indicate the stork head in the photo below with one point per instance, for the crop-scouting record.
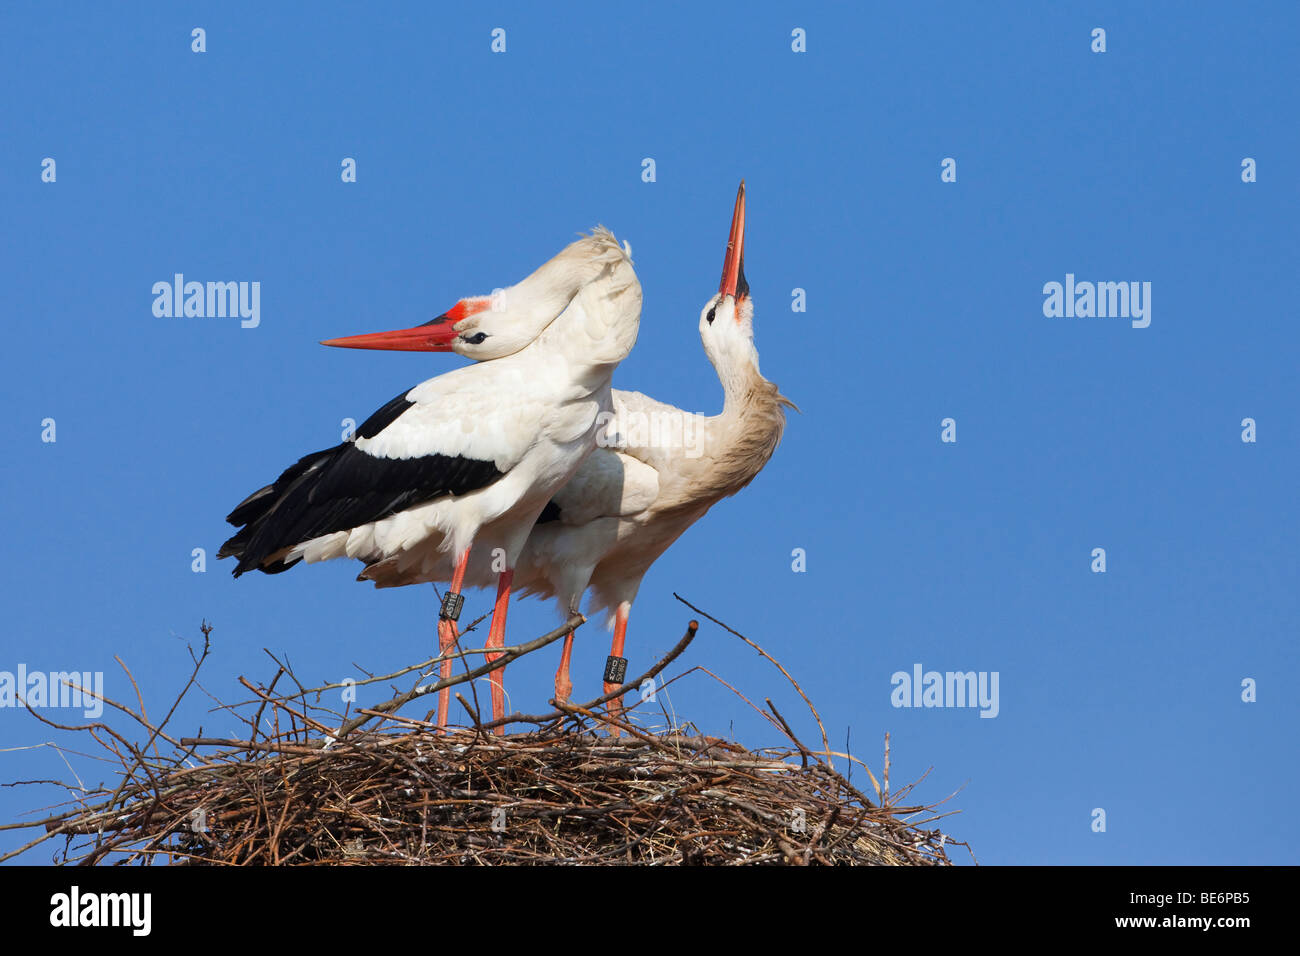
(484, 327)
(481, 327)
(727, 320)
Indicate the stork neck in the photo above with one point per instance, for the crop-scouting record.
(738, 372)
(739, 441)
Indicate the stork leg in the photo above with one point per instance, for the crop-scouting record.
(616, 654)
(564, 686)
(497, 638)
(449, 633)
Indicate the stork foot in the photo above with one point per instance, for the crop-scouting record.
(564, 686)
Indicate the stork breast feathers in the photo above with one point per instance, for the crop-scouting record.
(609, 484)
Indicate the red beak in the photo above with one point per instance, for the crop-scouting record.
(733, 266)
(435, 336)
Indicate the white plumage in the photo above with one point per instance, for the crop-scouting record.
(534, 415)
(659, 470)
(468, 460)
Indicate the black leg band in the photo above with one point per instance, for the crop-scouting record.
(452, 602)
(615, 670)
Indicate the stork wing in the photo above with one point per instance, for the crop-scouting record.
(424, 444)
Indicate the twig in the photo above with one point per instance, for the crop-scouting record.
(826, 744)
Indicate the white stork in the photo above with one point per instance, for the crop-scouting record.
(630, 500)
(469, 458)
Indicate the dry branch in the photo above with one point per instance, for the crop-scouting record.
(317, 786)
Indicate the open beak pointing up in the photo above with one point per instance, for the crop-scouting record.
(733, 266)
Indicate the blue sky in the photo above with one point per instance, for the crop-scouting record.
(1119, 691)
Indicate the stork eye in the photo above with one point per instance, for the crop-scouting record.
(478, 338)
(709, 317)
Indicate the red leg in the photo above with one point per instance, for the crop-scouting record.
(497, 638)
(448, 634)
(564, 686)
(616, 650)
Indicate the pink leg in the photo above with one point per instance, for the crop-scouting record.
(564, 686)
(497, 638)
(448, 634)
(616, 650)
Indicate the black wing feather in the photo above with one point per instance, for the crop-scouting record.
(341, 488)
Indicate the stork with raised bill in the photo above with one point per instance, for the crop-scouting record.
(627, 503)
(468, 460)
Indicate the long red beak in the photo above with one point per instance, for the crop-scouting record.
(435, 336)
(733, 265)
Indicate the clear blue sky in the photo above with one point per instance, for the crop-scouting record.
(1119, 690)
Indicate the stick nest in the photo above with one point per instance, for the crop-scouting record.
(579, 787)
